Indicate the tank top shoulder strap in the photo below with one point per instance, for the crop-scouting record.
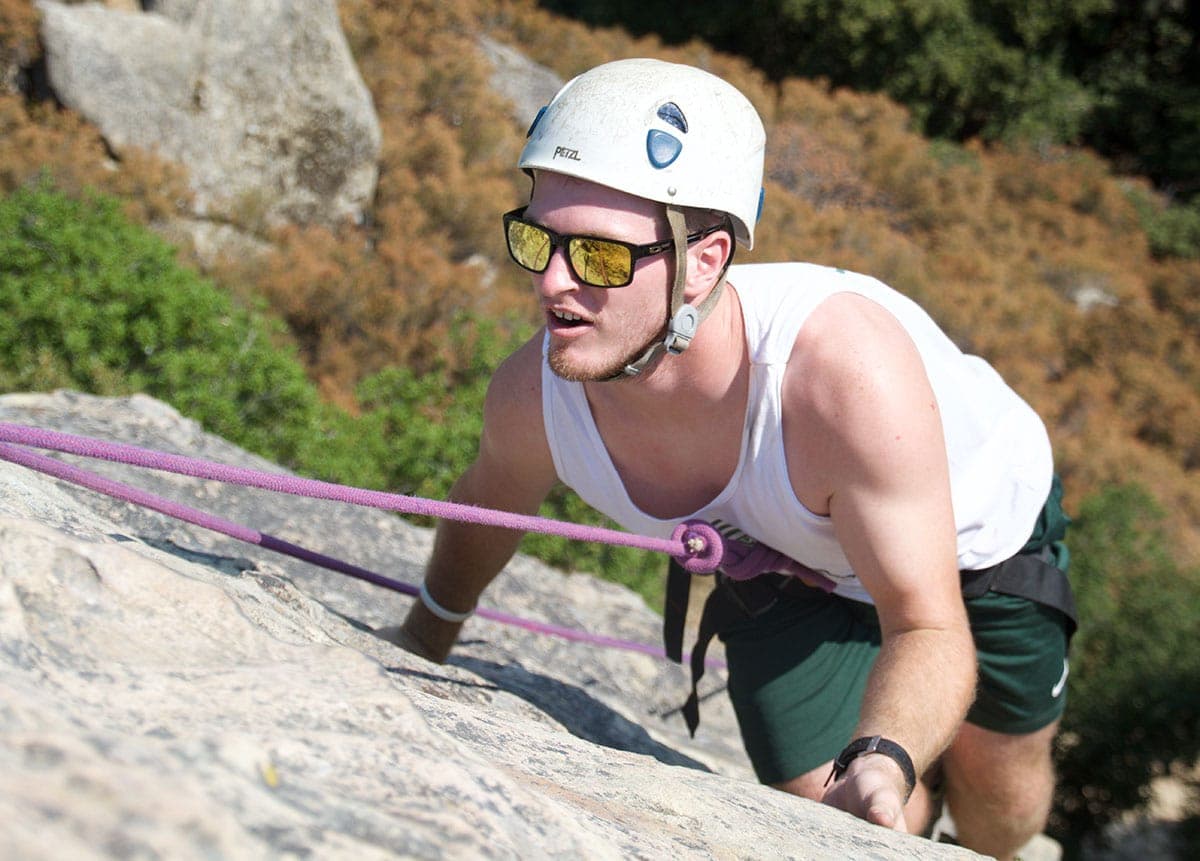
(777, 299)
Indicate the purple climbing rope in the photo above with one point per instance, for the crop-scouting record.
(694, 544)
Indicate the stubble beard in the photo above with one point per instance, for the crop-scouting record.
(579, 372)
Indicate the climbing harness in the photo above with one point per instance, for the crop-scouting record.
(747, 589)
(695, 546)
(731, 600)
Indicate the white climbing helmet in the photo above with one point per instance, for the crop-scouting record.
(662, 131)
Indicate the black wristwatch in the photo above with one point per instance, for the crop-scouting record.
(875, 744)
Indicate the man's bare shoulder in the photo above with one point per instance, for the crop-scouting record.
(850, 347)
(513, 432)
(855, 387)
(517, 383)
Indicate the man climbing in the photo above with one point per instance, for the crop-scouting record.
(818, 412)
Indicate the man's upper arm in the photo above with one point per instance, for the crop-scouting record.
(513, 470)
(884, 472)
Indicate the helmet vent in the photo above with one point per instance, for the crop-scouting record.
(533, 125)
(662, 148)
(670, 113)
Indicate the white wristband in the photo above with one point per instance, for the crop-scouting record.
(438, 610)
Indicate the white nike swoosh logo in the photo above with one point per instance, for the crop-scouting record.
(1057, 690)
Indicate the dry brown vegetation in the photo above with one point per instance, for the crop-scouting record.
(1034, 259)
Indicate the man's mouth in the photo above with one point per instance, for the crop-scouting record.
(565, 319)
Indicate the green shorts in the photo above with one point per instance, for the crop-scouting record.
(797, 674)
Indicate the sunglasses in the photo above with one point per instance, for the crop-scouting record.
(596, 261)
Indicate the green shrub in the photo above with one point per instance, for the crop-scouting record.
(1133, 709)
(90, 301)
(1173, 230)
(93, 302)
(424, 428)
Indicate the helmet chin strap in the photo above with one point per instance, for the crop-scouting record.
(684, 319)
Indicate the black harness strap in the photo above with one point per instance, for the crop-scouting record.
(718, 614)
(730, 601)
(679, 586)
(1027, 575)
(1034, 574)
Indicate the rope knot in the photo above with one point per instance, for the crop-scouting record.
(703, 548)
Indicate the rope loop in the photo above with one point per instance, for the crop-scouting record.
(703, 547)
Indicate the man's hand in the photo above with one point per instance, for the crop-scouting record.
(873, 788)
(423, 634)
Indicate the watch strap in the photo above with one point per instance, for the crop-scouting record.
(875, 744)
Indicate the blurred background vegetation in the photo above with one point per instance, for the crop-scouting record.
(1027, 171)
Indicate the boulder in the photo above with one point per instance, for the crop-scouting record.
(169, 692)
(526, 84)
(259, 99)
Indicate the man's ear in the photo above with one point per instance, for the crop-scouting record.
(706, 261)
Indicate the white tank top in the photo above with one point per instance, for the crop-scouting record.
(999, 453)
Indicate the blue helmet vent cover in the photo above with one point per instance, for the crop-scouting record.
(533, 125)
(662, 148)
(670, 113)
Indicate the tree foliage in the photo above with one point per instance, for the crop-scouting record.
(1133, 708)
(1123, 78)
(91, 301)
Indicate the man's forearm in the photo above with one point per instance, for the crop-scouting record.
(465, 559)
(917, 694)
(919, 691)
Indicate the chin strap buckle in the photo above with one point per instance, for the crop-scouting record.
(682, 329)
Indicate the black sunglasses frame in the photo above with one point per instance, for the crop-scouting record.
(562, 240)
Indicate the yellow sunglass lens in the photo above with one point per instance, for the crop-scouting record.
(601, 263)
(530, 245)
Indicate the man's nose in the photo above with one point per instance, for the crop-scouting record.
(558, 276)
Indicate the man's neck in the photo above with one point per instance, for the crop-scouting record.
(710, 374)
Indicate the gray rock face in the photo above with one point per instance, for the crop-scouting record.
(528, 85)
(259, 99)
(168, 692)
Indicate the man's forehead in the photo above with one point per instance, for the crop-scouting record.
(554, 190)
(549, 182)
